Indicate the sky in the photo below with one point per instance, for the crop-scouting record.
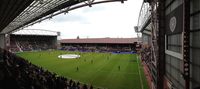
(114, 20)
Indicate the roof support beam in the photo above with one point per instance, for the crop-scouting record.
(33, 17)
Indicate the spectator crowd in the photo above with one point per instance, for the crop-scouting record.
(146, 54)
(96, 49)
(17, 73)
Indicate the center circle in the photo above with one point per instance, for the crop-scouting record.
(69, 56)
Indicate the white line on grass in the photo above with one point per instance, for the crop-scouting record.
(141, 82)
(120, 72)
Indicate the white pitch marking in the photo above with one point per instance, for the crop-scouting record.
(141, 82)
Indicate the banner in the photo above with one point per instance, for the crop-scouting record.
(174, 21)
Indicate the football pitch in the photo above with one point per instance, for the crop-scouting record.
(102, 70)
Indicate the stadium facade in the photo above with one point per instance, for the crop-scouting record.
(170, 36)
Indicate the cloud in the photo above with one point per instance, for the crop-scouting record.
(70, 18)
(93, 9)
(102, 20)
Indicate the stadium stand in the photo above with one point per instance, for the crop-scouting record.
(28, 43)
(146, 54)
(33, 39)
(17, 73)
(21, 74)
(100, 44)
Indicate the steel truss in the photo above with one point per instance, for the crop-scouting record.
(158, 39)
(34, 13)
(144, 16)
(154, 14)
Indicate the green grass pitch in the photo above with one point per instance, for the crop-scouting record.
(103, 72)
